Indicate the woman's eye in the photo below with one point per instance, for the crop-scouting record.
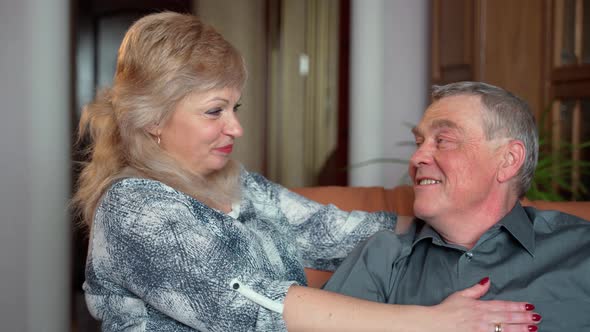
(237, 107)
(214, 112)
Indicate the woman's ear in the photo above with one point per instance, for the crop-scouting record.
(154, 129)
(513, 156)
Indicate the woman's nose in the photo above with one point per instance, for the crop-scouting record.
(233, 127)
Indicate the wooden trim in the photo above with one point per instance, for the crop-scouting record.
(468, 28)
(558, 32)
(479, 48)
(576, 139)
(571, 89)
(547, 58)
(579, 30)
(556, 136)
(571, 73)
(571, 81)
(333, 171)
(101, 7)
(313, 36)
(435, 40)
(455, 73)
(273, 122)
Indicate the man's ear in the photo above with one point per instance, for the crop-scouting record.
(513, 155)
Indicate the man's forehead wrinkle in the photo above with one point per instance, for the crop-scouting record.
(435, 125)
(444, 123)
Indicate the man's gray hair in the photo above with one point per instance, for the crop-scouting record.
(506, 116)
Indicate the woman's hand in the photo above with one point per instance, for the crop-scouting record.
(463, 311)
(308, 309)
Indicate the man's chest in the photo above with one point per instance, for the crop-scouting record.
(557, 283)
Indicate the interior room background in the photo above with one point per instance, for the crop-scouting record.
(332, 83)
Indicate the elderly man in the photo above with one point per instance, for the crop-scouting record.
(476, 155)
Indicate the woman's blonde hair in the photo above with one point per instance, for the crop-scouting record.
(163, 58)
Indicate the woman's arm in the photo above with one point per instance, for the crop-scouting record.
(307, 309)
(325, 234)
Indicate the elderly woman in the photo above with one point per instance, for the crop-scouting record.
(182, 238)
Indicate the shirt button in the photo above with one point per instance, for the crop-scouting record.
(469, 255)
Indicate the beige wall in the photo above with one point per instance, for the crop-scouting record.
(243, 24)
(388, 85)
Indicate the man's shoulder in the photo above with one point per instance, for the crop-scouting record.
(385, 240)
(552, 220)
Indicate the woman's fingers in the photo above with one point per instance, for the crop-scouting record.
(476, 291)
(513, 317)
(508, 321)
(512, 328)
(498, 305)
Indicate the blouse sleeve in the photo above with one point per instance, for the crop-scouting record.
(177, 258)
(325, 235)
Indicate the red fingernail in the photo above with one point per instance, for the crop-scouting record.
(484, 281)
(536, 317)
(529, 307)
(533, 328)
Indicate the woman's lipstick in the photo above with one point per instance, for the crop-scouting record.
(225, 149)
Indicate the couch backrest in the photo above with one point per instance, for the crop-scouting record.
(351, 198)
(401, 200)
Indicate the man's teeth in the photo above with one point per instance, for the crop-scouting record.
(428, 181)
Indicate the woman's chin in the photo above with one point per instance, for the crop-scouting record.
(218, 166)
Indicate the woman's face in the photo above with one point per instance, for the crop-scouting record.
(201, 132)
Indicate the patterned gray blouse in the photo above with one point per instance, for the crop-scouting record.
(160, 260)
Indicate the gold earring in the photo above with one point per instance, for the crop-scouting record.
(158, 139)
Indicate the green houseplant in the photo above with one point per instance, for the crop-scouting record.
(555, 168)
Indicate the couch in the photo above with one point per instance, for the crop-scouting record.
(400, 200)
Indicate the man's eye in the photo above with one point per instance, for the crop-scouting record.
(237, 107)
(214, 112)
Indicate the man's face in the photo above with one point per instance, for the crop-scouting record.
(454, 167)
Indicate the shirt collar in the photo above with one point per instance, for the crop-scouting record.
(520, 226)
(516, 222)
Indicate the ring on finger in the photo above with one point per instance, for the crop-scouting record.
(498, 327)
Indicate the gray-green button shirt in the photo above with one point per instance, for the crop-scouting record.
(541, 257)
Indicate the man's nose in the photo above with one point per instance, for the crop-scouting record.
(422, 156)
